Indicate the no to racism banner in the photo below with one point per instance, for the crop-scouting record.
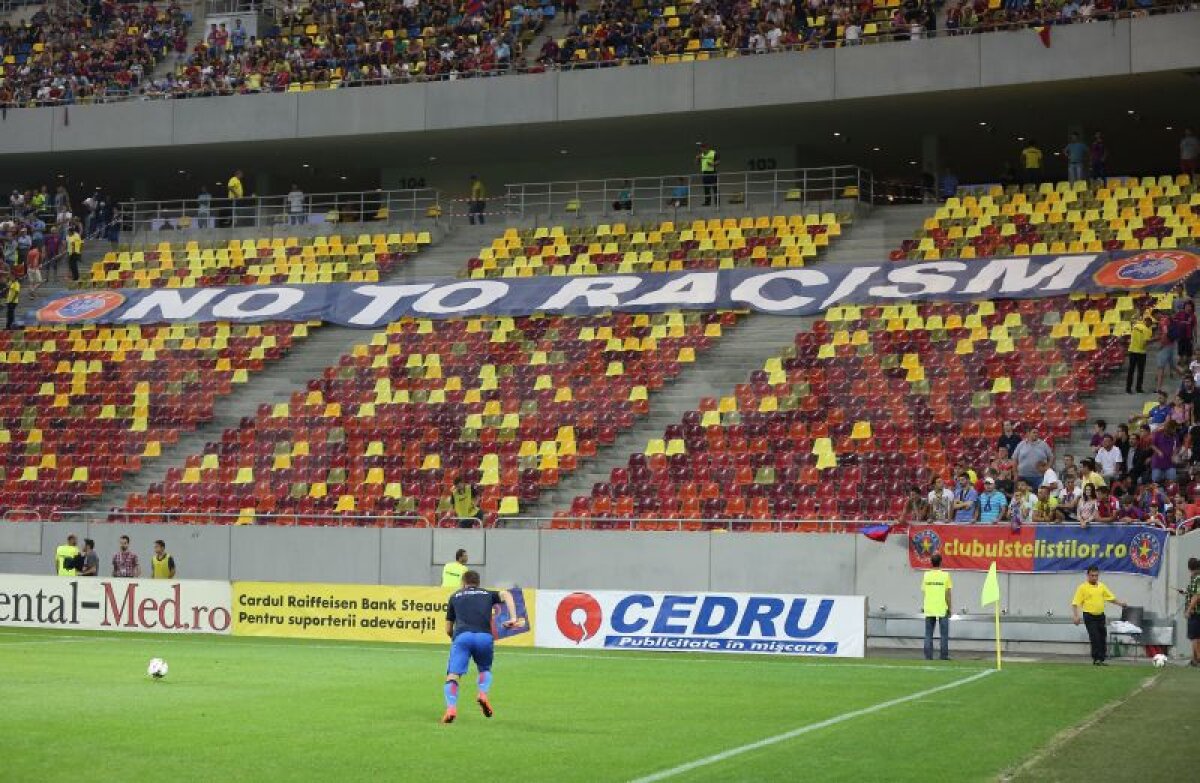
(1040, 549)
(799, 292)
(830, 626)
(371, 613)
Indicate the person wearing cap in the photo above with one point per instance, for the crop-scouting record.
(992, 503)
(478, 201)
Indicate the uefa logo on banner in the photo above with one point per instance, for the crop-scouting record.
(80, 307)
(1151, 267)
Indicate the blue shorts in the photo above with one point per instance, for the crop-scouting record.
(468, 646)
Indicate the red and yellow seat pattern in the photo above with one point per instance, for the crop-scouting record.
(870, 401)
(766, 241)
(82, 406)
(1122, 214)
(288, 260)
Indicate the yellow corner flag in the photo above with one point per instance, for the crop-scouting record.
(991, 595)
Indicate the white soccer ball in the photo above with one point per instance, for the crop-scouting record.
(1159, 661)
(157, 668)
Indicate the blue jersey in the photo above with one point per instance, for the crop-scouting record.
(470, 610)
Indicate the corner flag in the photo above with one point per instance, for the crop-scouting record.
(991, 595)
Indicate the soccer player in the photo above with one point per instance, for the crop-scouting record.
(469, 624)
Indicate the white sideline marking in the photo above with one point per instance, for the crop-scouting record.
(845, 716)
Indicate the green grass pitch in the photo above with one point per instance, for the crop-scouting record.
(76, 706)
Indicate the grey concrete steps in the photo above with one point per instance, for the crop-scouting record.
(741, 350)
(878, 233)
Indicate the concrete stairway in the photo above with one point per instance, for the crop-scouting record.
(877, 233)
(1111, 403)
(741, 350)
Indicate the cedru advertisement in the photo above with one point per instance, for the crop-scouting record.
(372, 613)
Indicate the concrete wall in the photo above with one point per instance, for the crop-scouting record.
(791, 563)
(1127, 47)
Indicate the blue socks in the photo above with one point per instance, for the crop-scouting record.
(485, 682)
(451, 693)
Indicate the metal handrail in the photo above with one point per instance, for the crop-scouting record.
(683, 193)
(292, 519)
(390, 206)
(117, 96)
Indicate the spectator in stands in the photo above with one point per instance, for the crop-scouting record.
(941, 501)
(1164, 443)
(1098, 158)
(1160, 413)
(1020, 508)
(1009, 439)
(966, 500)
(679, 193)
(1140, 333)
(1088, 506)
(624, 199)
(125, 561)
(1029, 454)
(1004, 469)
(1031, 163)
(1167, 335)
(90, 563)
(708, 161)
(936, 588)
(295, 206)
(12, 297)
(162, 565)
(461, 502)
(1045, 508)
(1049, 475)
(1189, 152)
(1109, 458)
(204, 209)
(74, 250)
(1068, 497)
(992, 503)
(1141, 452)
(1077, 154)
(1185, 331)
(1089, 475)
(1099, 430)
(478, 201)
(1108, 509)
(234, 191)
(33, 268)
(916, 508)
(570, 9)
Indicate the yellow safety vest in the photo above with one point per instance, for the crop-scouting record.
(161, 568)
(64, 553)
(708, 161)
(452, 574)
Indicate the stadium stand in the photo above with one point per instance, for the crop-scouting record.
(812, 436)
(68, 56)
(318, 259)
(144, 386)
(511, 404)
(1121, 214)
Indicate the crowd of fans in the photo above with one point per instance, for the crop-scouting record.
(110, 50)
(1146, 471)
(41, 234)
